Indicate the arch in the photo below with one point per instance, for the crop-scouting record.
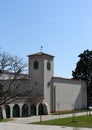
(16, 111)
(40, 109)
(25, 110)
(7, 109)
(43, 109)
(33, 109)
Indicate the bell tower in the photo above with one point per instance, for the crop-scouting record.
(41, 71)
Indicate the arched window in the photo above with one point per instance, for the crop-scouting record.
(48, 65)
(36, 64)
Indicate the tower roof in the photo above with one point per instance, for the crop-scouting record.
(40, 54)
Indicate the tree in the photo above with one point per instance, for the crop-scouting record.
(83, 68)
(12, 78)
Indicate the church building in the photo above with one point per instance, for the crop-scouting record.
(49, 94)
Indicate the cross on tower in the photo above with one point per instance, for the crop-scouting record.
(41, 48)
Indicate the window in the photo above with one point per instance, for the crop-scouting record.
(1, 86)
(48, 65)
(36, 64)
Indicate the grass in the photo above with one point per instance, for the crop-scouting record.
(6, 120)
(68, 112)
(80, 121)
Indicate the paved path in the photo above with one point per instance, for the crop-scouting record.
(46, 117)
(21, 124)
(15, 126)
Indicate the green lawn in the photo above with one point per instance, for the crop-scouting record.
(80, 121)
(6, 120)
(68, 112)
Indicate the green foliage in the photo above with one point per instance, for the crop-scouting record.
(83, 68)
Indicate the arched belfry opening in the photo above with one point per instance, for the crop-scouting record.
(36, 64)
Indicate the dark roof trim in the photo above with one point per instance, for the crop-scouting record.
(60, 78)
(40, 54)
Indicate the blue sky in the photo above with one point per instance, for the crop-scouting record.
(62, 27)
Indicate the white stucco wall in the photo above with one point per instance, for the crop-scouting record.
(47, 77)
(69, 94)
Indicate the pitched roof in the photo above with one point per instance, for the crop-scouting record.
(67, 80)
(40, 54)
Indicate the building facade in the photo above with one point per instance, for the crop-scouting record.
(49, 93)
